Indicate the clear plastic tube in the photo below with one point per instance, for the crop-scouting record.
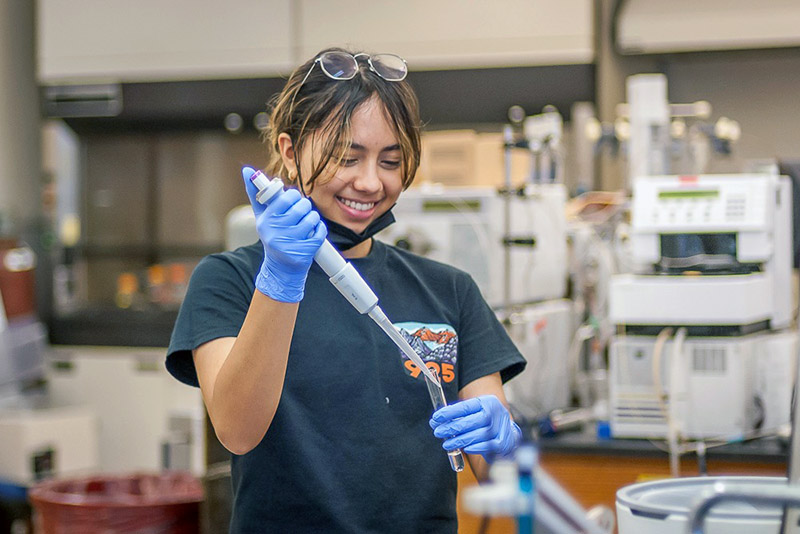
(436, 392)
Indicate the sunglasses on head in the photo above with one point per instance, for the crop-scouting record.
(344, 66)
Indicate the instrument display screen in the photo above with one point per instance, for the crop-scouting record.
(689, 193)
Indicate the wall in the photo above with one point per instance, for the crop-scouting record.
(757, 89)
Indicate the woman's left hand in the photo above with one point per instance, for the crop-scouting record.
(481, 425)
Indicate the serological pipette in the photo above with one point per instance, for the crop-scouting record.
(343, 275)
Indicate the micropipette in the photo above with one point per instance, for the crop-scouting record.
(343, 276)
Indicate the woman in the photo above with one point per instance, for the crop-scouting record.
(325, 418)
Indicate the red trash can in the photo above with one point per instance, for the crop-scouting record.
(153, 503)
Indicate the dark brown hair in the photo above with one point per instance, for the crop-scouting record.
(325, 106)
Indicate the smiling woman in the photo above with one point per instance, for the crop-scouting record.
(369, 177)
(312, 110)
(296, 384)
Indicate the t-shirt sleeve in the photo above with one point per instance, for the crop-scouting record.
(484, 346)
(215, 306)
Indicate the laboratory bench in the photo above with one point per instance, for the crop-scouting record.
(592, 470)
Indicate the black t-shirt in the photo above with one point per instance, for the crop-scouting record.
(350, 448)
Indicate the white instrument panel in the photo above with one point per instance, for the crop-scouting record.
(705, 203)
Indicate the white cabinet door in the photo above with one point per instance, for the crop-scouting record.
(656, 26)
(435, 34)
(152, 40)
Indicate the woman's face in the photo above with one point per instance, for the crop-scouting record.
(369, 179)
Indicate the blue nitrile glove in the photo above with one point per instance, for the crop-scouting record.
(291, 233)
(481, 425)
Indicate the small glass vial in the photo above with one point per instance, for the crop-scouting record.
(437, 398)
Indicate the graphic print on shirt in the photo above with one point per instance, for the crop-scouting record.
(437, 345)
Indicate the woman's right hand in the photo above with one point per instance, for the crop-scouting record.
(291, 233)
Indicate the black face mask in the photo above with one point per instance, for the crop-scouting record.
(344, 238)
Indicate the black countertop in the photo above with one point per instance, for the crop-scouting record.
(767, 449)
(109, 326)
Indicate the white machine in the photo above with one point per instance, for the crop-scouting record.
(649, 115)
(463, 227)
(711, 387)
(543, 333)
(734, 229)
(663, 137)
(715, 267)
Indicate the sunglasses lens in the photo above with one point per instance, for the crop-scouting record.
(338, 65)
(390, 67)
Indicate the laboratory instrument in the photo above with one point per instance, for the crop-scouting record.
(543, 333)
(649, 118)
(682, 505)
(707, 309)
(733, 231)
(463, 227)
(520, 488)
(660, 137)
(343, 276)
(543, 133)
(436, 392)
(710, 387)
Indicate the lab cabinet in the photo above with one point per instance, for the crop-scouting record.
(164, 190)
(149, 207)
(119, 40)
(149, 40)
(657, 27)
(157, 200)
(448, 34)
